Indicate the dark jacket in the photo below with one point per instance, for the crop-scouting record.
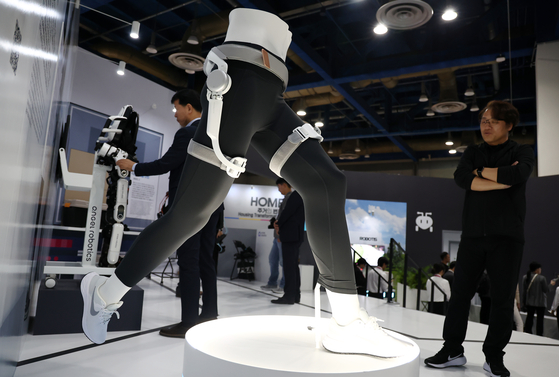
(172, 161)
(496, 212)
(292, 220)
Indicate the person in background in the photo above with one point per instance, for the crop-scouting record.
(518, 324)
(449, 274)
(535, 297)
(290, 227)
(555, 302)
(275, 259)
(377, 279)
(360, 279)
(195, 255)
(436, 284)
(445, 259)
(493, 175)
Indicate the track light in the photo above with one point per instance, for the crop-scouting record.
(380, 29)
(121, 66)
(319, 124)
(423, 97)
(300, 107)
(470, 91)
(430, 112)
(135, 32)
(449, 140)
(151, 48)
(357, 148)
(500, 58)
(449, 15)
(474, 107)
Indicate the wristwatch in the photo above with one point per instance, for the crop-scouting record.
(479, 171)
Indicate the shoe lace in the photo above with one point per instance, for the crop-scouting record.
(372, 321)
(106, 314)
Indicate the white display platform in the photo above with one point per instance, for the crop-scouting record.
(274, 346)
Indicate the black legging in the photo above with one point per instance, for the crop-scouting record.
(254, 113)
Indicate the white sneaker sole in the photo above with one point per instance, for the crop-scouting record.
(458, 362)
(87, 298)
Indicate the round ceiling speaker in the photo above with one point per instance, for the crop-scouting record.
(449, 107)
(189, 62)
(404, 14)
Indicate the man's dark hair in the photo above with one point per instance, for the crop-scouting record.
(452, 265)
(361, 261)
(382, 261)
(502, 110)
(437, 267)
(443, 255)
(281, 181)
(188, 96)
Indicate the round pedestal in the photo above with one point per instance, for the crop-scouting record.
(274, 346)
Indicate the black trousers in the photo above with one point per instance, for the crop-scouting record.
(501, 256)
(290, 253)
(254, 114)
(195, 260)
(528, 325)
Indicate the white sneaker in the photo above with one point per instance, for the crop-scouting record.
(278, 290)
(96, 312)
(363, 336)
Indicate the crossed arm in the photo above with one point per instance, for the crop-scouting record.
(499, 178)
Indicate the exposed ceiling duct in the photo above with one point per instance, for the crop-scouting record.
(141, 61)
(448, 98)
(404, 14)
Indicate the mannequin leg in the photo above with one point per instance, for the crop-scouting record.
(322, 186)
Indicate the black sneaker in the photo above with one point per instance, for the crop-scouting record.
(496, 368)
(445, 359)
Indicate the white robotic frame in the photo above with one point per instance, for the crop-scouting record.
(116, 142)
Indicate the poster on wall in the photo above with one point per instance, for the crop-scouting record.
(374, 223)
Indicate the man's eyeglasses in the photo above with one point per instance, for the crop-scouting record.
(491, 121)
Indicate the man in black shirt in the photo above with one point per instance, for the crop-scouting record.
(494, 175)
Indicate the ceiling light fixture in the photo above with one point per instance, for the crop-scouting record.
(330, 150)
(193, 38)
(319, 124)
(500, 58)
(449, 140)
(300, 107)
(430, 112)
(380, 29)
(135, 32)
(449, 15)
(121, 66)
(357, 148)
(470, 91)
(423, 97)
(474, 107)
(452, 151)
(151, 48)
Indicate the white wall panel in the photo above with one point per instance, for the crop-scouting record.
(547, 91)
(30, 60)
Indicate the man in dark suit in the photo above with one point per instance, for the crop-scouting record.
(290, 227)
(195, 256)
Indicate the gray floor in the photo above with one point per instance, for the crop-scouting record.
(146, 353)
